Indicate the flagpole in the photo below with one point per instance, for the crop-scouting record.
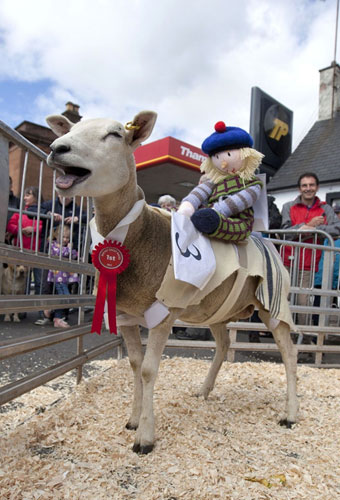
(336, 29)
(334, 59)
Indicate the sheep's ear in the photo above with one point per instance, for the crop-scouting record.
(59, 124)
(140, 128)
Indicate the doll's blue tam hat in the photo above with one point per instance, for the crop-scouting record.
(226, 138)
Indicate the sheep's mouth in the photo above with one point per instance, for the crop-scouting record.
(72, 176)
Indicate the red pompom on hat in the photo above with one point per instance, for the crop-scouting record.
(220, 127)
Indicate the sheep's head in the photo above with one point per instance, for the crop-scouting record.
(95, 157)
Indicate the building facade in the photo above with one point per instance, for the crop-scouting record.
(319, 151)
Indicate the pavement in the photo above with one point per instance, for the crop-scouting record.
(26, 364)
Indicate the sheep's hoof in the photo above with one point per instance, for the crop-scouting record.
(142, 450)
(203, 395)
(286, 423)
(131, 427)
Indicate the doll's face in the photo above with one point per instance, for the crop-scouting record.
(228, 161)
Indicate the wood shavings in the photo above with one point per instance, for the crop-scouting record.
(38, 400)
(225, 447)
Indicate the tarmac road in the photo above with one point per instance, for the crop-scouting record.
(26, 364)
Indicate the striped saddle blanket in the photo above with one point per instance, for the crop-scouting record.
(256, 257)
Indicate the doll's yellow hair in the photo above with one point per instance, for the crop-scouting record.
(251, 160)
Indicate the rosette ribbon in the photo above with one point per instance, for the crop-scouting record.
(110, 258)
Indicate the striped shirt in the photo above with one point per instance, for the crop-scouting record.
(217, 195)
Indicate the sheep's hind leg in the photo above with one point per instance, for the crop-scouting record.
(221, 336)
(288, 351)
(131, 336)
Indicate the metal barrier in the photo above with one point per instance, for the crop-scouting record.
(315, 308)
(33, 255)
(38, 255)
(317, 314)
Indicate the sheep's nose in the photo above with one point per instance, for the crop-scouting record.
(61, 149)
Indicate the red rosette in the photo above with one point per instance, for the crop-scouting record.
(110, 258)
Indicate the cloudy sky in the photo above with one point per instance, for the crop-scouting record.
(192, 61)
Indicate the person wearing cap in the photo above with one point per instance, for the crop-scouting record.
(221, 205)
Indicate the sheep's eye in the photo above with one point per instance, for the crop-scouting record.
(115, 134)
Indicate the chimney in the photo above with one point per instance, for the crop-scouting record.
(72, 112)
(329, 94)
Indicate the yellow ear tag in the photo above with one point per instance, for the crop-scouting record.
(130, 126)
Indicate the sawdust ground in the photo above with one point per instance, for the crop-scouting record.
(229, 446)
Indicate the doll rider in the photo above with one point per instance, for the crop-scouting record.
(221, 205)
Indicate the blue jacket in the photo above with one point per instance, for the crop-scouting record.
(318, 275)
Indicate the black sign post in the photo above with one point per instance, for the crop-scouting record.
(271, 126)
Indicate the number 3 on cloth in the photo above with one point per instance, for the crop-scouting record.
(192, 254)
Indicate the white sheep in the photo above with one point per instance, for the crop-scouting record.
(96, 159)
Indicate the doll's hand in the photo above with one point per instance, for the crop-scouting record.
(186, 209)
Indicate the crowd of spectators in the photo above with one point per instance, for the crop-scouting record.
(46, 226)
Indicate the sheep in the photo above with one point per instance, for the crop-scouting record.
(95, 158)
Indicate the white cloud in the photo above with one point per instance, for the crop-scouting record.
(192, 61)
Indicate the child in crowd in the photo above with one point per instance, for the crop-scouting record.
(29, 230)
(62, 279)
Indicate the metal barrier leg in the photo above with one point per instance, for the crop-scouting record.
(300, 338)
(120, 350)
(318, 355)
(231, 352)
(80, 350)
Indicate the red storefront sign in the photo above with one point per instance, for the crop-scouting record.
(169, 150)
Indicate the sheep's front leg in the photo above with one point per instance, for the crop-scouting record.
(158, 336)
(131, 336)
